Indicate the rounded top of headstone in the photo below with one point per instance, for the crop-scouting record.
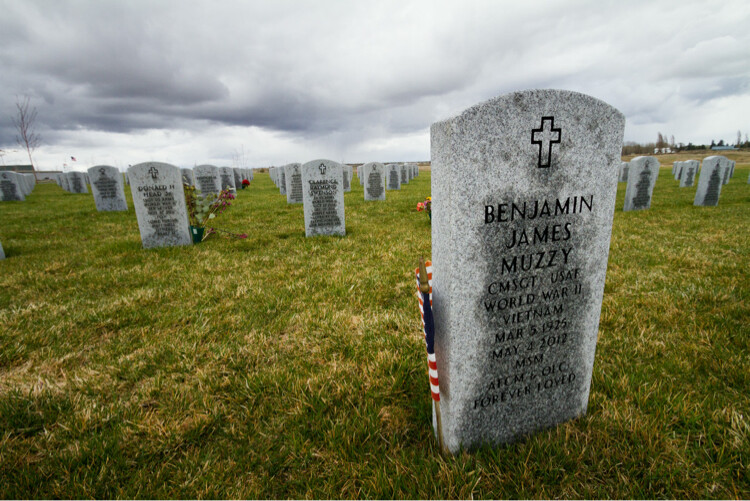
(534, 99)
(321, 161)
(373, 164)
(155, 170)
(97, 169)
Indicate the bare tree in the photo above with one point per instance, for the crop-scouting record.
(239, 159)
(24, 122)
(739, 139)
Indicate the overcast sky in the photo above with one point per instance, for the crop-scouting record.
(273, 82)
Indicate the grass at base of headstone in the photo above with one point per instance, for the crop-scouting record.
(285, 366)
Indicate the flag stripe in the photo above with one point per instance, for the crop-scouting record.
(431, 360)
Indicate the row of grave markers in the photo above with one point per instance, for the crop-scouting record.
(320, 186)
(16, 186)
(159, 202)
(641, 173)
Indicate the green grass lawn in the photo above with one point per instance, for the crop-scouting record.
(283, 366)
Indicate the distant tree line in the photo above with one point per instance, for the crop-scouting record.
(666, 143)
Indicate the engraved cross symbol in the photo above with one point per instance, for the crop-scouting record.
(154, 173)
(322, 168)
(102, 171)
(545, 136)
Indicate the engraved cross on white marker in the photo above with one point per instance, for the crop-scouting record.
(545, 136)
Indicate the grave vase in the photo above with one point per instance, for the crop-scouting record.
(197, 233)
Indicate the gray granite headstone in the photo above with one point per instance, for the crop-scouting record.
(727, 171)
(731, 174)
(347, 180)
(523, 196)
(404, 174)
(159, 202)
(237, 177)
(689, 172)
(293, 176)
(207, 179)
(710, 181)
(323, 197)
(77, 182)
(374, 180)
(64, 182)
(10, 187)
(108, 188)
(2, 252)
(641, 180)
(624, 169)
(26, 182)
(187, 176)
(281, 175)
(394, 177)
(678, 167)
(226, 179)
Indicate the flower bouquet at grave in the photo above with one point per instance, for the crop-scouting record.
(203, 208)
(425, 206)
(245, 183)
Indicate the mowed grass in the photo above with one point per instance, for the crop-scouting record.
(289, 367)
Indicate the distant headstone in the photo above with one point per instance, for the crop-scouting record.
(374, 179)
(731, 173)
(347, 180)
(2, 252)
(350, 171)
(10, 187)
(207, 179)
(281, 175)
(641, 179)
(64, 183)
(404, 174)
(293, 176)
(159, 202)
(187, 176)
(689, 171)
(394, 177)
(678, 166)
(77, 182)
(26, 182)
(237, 177)
(523, 198)
(710, 181)
(323, 196)
(727, 171)
(623, 173)
(108, 188)
(226, 179)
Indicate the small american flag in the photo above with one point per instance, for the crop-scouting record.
(74, 159)
(428, 326)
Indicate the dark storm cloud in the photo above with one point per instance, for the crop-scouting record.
(357, 71)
